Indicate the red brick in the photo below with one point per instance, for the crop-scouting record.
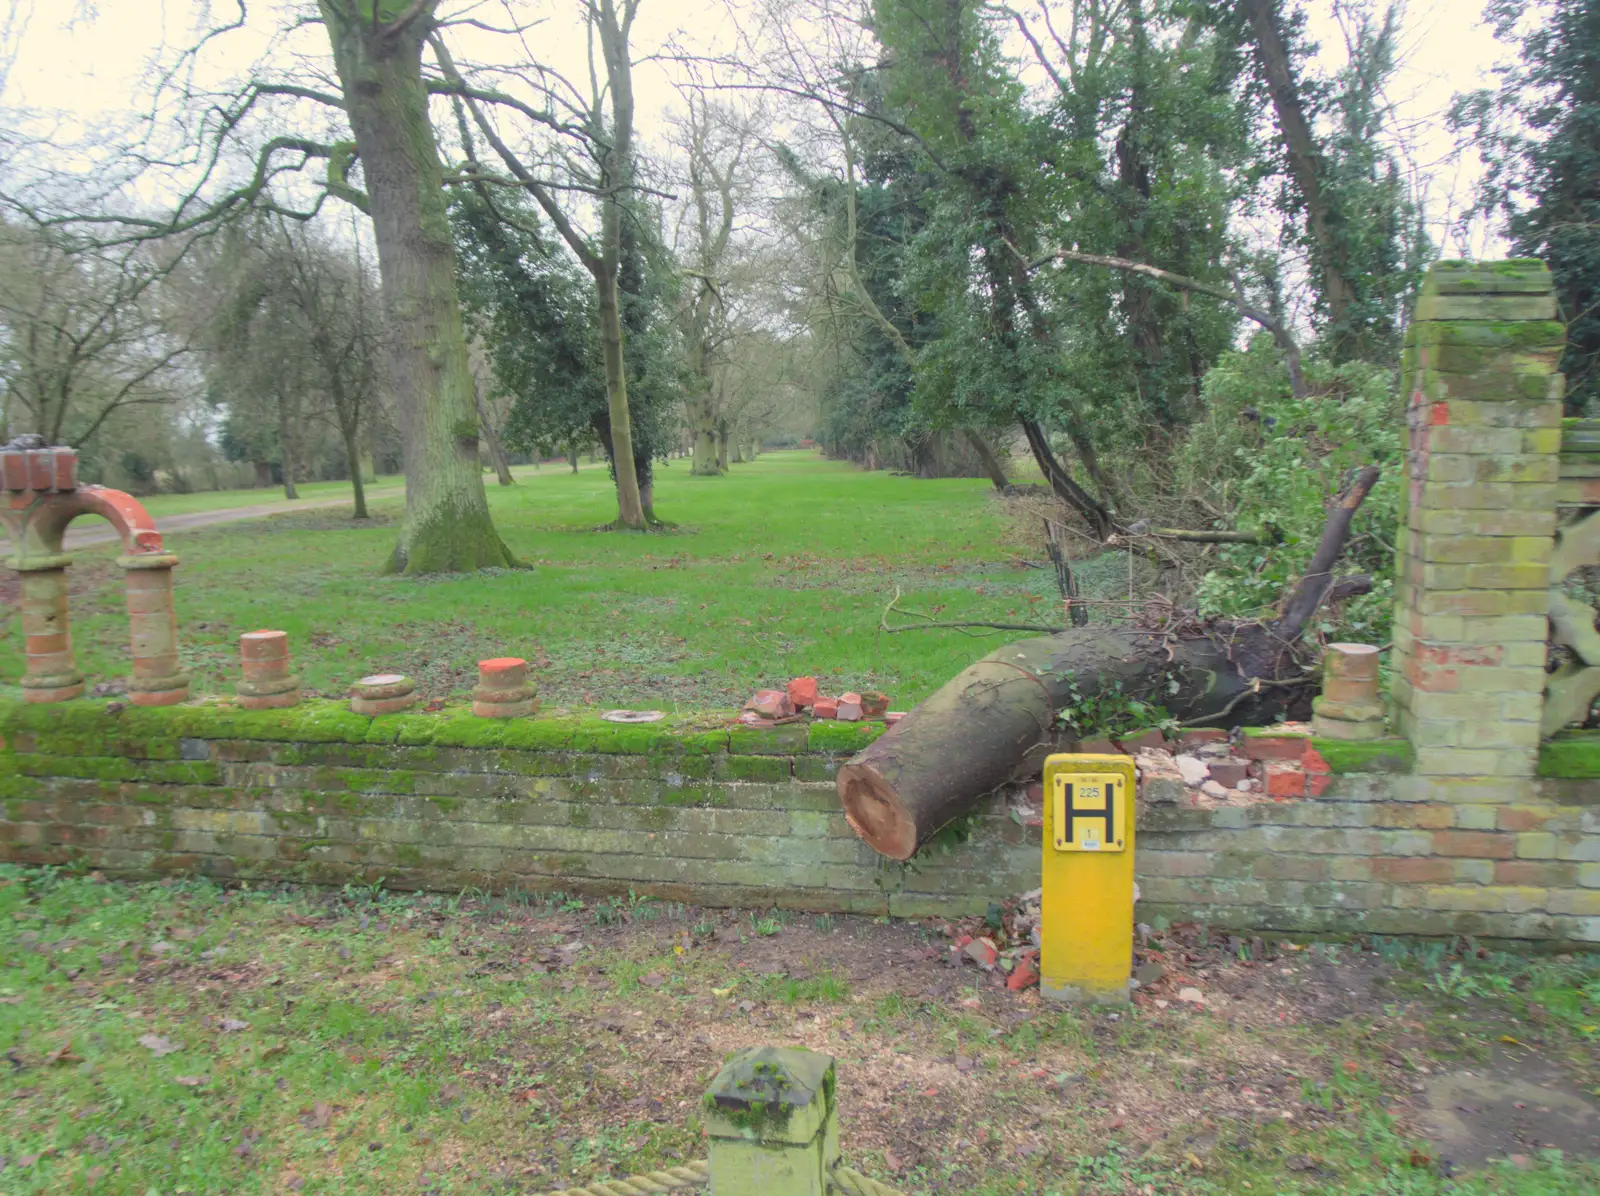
(1285, 780)
(503, 672)
(1229, 772)
(849, 709)
(1518, 818)
(1318, 775)
(268, 701)
(1413, 870)
(770, 703)
(825, 708)
(1480, 845)
(1025, 974)
(61, 693)
(1541, 873)
(874, 704)
(264, 645)
(165, 697)
(1408, 815)
(891, 717)
(1276, 747)
(1193, 739)
(803, 692)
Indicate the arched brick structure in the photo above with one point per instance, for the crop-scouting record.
(42, 497)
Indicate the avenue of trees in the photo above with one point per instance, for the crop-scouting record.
(1160, 248)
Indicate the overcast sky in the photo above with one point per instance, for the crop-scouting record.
(90, 67)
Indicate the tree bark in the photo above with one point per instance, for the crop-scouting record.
(352, 455)
(1061, 483)
(705, 445)
(447, 526)
(491, 437)
(991, 463)
(286, 445)
(1304, 156)
(969, 737)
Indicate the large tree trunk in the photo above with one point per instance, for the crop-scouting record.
(352, 455)
(630, 510)
(447, 526)
(1304, 157)
(970, 736)
(991, 463)
(286, 445)
(705, 447)
(491, 441)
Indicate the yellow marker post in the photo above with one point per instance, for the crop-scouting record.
(1086, 912)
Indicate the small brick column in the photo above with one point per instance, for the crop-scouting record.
(267, 683)
(157, 680)
(1484, 419)
(503, 690)
(51, 676)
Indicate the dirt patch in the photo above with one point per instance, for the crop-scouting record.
(1515, 1104)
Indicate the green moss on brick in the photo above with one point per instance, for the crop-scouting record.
(1373, 755)
(1574, 755)
(786, 739)
(752, 768)
(827, 735)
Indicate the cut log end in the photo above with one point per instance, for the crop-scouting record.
(876, 813)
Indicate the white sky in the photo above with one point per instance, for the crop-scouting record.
(86, 62)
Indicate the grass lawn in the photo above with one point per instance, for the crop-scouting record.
(780, 568)
(176, 1038)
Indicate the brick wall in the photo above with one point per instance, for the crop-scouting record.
(699, 811)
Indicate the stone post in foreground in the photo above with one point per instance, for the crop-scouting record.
(771, 1123)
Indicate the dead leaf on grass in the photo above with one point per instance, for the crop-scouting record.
(232, 1025)
(893, 1161)
(191, 1081)
(273, 1051)
(318, 1117)
(63, 1054)
(652, 980)
(159, 1044)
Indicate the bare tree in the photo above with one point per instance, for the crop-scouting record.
(83, 335)
(600, 121)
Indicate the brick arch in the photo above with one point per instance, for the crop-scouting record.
(42, 497)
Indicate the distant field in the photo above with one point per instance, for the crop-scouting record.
(783, 567)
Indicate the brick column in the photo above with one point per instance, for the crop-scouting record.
(157, 680)
(1484, 418)
(51, 676)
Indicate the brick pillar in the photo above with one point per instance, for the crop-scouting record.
(157, 680)
(1484, 418)
(267, 683)
(51, 674)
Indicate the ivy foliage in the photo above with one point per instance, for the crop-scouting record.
(1278, 462)
(1539, 135)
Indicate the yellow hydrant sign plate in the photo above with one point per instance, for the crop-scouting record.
(1091, 811)
(1086, 910)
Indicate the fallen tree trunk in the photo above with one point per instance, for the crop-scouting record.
(970, 736)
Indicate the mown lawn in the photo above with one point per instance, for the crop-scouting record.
(178, 1038)
(781, 568)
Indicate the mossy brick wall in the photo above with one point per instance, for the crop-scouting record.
(1474, 552)
(697, 811)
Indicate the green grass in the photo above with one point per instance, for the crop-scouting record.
(781, 568)
(371, 1042)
